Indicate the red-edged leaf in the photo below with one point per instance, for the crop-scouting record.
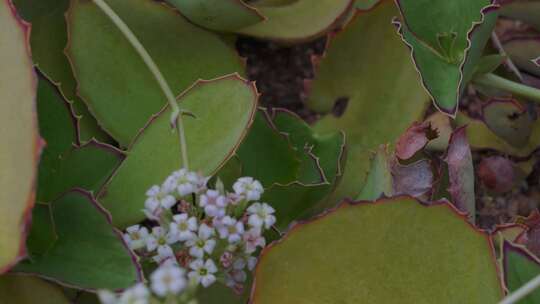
(21, 144)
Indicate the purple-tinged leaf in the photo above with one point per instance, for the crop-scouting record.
(414, 139)
(461, 172)
(414, 179)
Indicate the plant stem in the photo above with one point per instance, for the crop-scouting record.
(509, 61)
(519, 89)
(176, 117)
(522, 291)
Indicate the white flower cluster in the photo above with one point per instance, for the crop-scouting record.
(203, 236)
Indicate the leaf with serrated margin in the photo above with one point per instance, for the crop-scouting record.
(301, 20)
(65, 163)
(364, 79)
(85, 251)
(446, 40)
(114, 81)
(48, 40)
(219, 15)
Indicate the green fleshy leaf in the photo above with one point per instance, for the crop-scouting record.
(114, 81)
(322, 159)
(212, 136)
(267, 155)
(526, 11)
(379, 180)
(219, 15)
(86, 167)
(488, 64)
(48, 40)
(365, 4)
(447, 39)
(519, 268)
(523, 52)
(509, 120)
(481, 137)
(343, 256)
(324, 150)
(20, 289)
(86, 252)
(297, 21)
(378, 82)
(64, 163)
(221, 294)
(18, 130)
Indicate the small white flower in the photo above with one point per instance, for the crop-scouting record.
(135, 236)
(160, 196)
(159, 238)
(168, 279)
(137, 294)
(203, 272)
(236, 275)
(213, 203)
(231, 229)
(239, 264)
(253, 239)
(202, 242)
(107, 297)
(183, 227)
(226, 259)
(184, 182)
(164, 253)
(261, 214)
(251, 189)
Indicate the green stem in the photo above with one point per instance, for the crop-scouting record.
(176, 117)
(515, 88)
(522, 291)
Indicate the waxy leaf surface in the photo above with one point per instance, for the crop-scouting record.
(344, 255)
(219, 15)
(117, 86)
(298, 20)
(84, 251)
